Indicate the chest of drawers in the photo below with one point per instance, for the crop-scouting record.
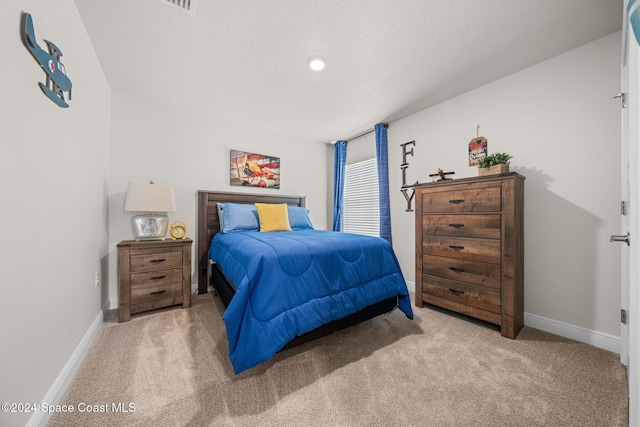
(153, 274)
(470, 248)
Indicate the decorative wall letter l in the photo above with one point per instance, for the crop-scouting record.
(57, 80)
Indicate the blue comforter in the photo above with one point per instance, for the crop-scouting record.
(289, 283)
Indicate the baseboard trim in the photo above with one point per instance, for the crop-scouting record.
(576, 333)
(411, 286)
(57, 390)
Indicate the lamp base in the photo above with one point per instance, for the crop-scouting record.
(151, 226)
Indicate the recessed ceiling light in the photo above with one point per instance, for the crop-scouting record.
(316, 63)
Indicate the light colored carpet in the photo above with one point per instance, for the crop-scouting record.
(438, 370)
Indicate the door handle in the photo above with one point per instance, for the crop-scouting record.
(623, 99)
(618, 238)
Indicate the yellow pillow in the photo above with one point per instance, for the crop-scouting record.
(273, 217)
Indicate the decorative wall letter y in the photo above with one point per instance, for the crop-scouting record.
(57, 80)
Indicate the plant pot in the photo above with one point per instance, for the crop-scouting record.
(493, 170)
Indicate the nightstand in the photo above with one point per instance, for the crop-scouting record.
(153, 274)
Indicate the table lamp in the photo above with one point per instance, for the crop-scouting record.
(154, 199)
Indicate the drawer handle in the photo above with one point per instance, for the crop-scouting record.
(157, 277)
(456, 269)
(456, 201)
(158, 292)
(456, 225)
(456, 292)
(456, 247)
(158, 260)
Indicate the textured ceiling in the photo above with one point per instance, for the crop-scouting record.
(246, 60)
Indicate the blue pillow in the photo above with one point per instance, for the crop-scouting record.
(299, 218)
(238, 217)
(220, 215)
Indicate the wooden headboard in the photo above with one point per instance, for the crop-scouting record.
(209, 225)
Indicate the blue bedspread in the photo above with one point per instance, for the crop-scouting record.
(289, 283)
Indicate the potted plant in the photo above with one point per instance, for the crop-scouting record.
(494, 164)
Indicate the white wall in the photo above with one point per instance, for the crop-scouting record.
(559, 121)
(53, 187)
(191, 152)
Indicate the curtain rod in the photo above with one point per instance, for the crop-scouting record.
(386, 126)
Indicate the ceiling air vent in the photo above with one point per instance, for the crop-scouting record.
(187, 6)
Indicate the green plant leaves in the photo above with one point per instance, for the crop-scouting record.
(494, 159)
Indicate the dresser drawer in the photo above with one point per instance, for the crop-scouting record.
(472, 272)
(155, 260)
(475, 200)
(483, 250)
(143, 294)
(483, 225)
(155, 278)
(487, 299)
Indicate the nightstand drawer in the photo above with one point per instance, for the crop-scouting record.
(154, 293)
(484, 225)
(155, 260)
(480, 200)
(483, 250)
(155, 278)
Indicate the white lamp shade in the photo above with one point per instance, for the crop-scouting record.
(149, 198)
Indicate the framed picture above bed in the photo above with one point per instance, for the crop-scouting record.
(254, 170)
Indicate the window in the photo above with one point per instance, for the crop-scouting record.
(361, 206)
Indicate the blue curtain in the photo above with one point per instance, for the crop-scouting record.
(382, 156)
(339, 163)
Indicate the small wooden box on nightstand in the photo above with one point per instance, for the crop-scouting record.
(153, 274)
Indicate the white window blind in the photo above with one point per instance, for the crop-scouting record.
(361, 206)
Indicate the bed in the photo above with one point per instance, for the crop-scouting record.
(284, 288)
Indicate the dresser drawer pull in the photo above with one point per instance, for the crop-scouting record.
(457, 293)
(456, 225)
(158, 292)
(456, 269)
(456, 247)
(158, 260)
(456, 201)
(157, 277)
